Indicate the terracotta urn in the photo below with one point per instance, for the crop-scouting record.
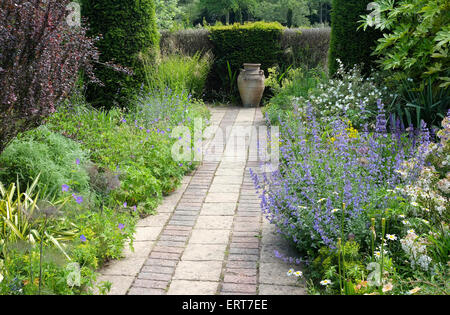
(251, 84)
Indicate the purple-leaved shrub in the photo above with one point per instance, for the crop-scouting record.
(40, 57)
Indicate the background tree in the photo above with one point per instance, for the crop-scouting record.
(300, 12)
(190, 12)
(224, 8)
(319, 11)
(279, 10)
(167, 13)
(290, 14)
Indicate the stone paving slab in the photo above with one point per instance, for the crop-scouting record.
(227, 180)
(120, 286)
(214, 222)
(224, 208)
(204, 252)
(210, 236)
(275, 273)
(225, 188)
(186, 287)
(147, 233)
(229, 172)
(198, 270)
(141, 249)
(220, 197)
(234, 165)
(145, 291)
(154, 220)
(239, 288)
(124, 267)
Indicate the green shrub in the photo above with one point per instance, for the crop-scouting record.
(18, 280)
(416, 39)
(56, 158)
(128, 32)
(136, 144)
(185, 42)
(420, 101)
(327, 264)
(237, 44)
(249, 43)
(180, 73)
(348, 44)
(167, 13)
(27, 217)
(106, 234)
(306, 47)
(349, 95)
(117, 146)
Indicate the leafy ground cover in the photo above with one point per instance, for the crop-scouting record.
(81, 182)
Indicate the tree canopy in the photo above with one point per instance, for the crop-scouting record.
(291, 13)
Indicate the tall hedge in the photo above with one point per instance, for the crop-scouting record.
(128, 32)
(301, 47)
(350, 45)
(257, 42)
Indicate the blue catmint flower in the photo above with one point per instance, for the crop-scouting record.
(313, 168)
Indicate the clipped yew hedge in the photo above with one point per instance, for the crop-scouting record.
(306, 47)
(348, 43)
(300, 45)
(185, 42)
(128, 37)
(237, 44)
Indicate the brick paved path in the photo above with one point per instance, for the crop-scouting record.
(209, 237)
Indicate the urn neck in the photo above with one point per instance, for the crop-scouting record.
(252, 66)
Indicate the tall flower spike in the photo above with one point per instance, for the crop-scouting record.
(381, 118)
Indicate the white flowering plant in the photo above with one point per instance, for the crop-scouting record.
(425, 241)
(348, 94)
(429, 192)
